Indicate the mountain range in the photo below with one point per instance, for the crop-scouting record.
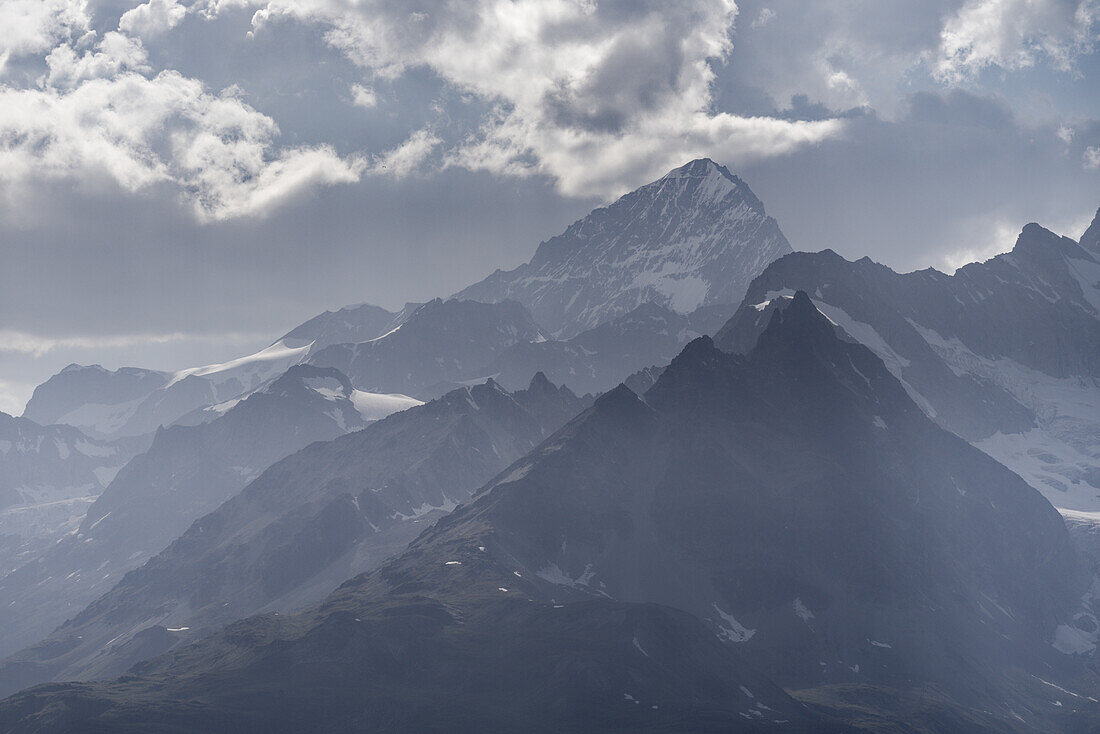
(327, 512)
(693, 238)
(767, 517)
(1005, 353)
(187, 472)
(824, 518)
(49, 477)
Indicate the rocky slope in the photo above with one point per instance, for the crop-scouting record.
(312, 520)
(695, 237)
(600, 358)
(1006, 353)
(49, 476)
(441, 344)
(187, 472)
(789, 519)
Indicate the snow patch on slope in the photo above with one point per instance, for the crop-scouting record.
(1061, 457)
(376, 406)
(730, 629)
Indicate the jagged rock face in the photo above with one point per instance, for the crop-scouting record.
(790, 497)
(1037, 305)
(1005, 353)
(319, 516)
(187, 472)
(441, 343)
(856, 299)
(794, 502)
(695, 237)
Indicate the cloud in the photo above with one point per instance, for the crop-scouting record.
(1015, 34)
(112, 55)
(986, 239)
(14, 396)
(596, 96)
(766, 16)
(19, 342)
(410, 155)
(152, 18)
(140, 131)
(362, 96)
(1090, 158)
(36, 26)
(99, 110)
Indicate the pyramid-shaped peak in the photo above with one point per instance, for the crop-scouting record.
(541, 384)
(705, 183)
(696, 236)
(800, 322)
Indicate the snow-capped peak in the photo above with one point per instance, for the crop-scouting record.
(696, 236)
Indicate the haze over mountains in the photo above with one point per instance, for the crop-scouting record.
(310, 521)
(687, 500)
(804, 523)
(187, 471)
(1005, 353)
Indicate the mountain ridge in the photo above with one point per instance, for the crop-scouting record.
(692, 238)
(681, 501)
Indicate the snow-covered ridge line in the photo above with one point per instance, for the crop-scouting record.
(264, 364)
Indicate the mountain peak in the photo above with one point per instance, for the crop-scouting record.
(800, 322)
(541, 383)
(696, 236)
(1038, 243)
(705, 183)
(700, 167)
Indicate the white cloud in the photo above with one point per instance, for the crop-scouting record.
(986, 238)
(766, 16)
(114, 53)
(33, 345)
(1015, 34)
(362, 96)
(1090, 159)
(36, 26)
(141, 131)
(592, 95)
(407, 157)
(99, 110)
(152, 18)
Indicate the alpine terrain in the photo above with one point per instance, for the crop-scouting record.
(309, 522)
(187, 472)
(693, 238)
(1005, 353)
(780, 541)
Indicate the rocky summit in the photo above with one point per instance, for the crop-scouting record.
(694, 237)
